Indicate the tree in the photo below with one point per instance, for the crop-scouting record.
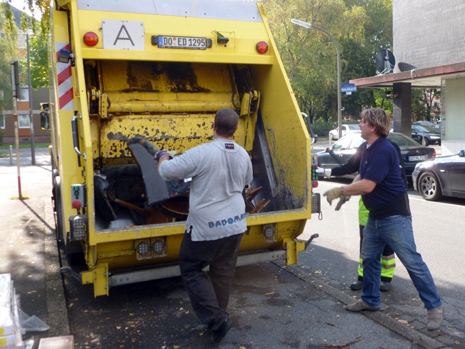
(37, 32)
(8, 40)
(309, 55)
(360, 27)
(424, 103)
(360, 56)
(38, 60)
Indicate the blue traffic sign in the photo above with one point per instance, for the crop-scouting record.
(348, 88)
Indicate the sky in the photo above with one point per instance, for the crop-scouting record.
(21, 5)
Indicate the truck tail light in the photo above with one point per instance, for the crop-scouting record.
(158, 247)
(262, 47)
(78, 227)
(150, 248)
(90, 39)
(314, 174)
(270, 233)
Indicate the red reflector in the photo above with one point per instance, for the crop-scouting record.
(315, 184)
(90, 39)
(262, 47)
(76, 204)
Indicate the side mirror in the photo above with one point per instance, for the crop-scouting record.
(328, 150)
(462, 153)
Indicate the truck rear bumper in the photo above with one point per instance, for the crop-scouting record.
(173, 270)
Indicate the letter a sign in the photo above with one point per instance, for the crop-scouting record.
(123, 35)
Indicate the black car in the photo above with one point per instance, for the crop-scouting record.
(342, 150)
(443, 176)
(425, 136)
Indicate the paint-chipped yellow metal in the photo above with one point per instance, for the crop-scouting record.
(170, 96)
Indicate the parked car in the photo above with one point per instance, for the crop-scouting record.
(424, 123)
(437, 127)
(425, 136)
(346, 129)
(340, 152)
(443, 176)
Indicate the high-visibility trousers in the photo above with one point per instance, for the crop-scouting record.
(388, 261)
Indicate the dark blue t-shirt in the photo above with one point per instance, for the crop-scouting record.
(380, 164)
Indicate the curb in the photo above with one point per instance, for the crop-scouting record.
(380, 317)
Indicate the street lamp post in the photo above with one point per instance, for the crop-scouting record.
(339, 107)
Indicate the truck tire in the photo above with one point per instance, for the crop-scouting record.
(74, 252)
(57, 207)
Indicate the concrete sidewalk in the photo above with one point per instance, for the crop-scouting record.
(29, 250)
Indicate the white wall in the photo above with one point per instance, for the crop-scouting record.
(453, 115)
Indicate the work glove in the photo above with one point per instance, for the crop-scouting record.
(161, 154)
(325, 171)
(341, 202)
(145, 143)
(333, 194)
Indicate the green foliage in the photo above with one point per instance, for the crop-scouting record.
(8, 51)
(322, 127)
(423, 104)
(361, 29)
(309, 55)
(382, 102)
(37, 60)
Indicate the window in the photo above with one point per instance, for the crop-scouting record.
(24, 121)
(2, 120)
(23, 94)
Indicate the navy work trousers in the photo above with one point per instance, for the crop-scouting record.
(209, 291)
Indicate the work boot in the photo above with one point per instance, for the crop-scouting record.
(360, 305)
(357, 285)
(435, 318)
(385, 286)
(219, 334)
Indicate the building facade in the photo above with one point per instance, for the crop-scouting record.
(7, 120)
(429, 47)
(25, 129)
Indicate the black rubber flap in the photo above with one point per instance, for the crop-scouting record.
(155, 187)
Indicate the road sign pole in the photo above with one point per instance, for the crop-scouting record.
(15, 88)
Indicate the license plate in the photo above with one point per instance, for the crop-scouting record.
(182, 42)
(418, 158)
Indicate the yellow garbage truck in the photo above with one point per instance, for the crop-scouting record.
(129, 77)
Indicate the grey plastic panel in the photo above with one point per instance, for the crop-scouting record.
(222, 9)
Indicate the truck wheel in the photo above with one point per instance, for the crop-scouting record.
(74, 252)
(57, 208)
(429, 187)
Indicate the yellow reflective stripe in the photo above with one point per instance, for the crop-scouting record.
(360, 268)
(388, 266)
